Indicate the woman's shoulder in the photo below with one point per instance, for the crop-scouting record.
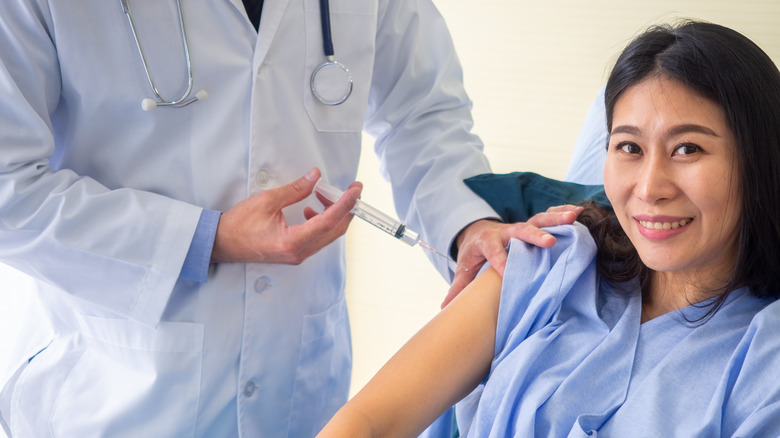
(550, 271)
(573, 252)
(538, 280)
(574, 238)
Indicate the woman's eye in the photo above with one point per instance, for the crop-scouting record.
(686, 149)
(629, 148)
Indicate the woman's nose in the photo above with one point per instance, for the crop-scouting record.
(654, 181)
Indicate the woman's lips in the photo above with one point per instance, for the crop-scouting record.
(661, 228)
(664, 225)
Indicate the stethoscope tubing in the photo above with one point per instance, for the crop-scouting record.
(162, 101)
(327, 36)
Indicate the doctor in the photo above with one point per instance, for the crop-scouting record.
(167, 319)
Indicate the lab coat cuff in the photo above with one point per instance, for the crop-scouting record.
(162, 275)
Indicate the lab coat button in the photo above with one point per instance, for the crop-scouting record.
(262, 283)
(249, 388)
(262, 178)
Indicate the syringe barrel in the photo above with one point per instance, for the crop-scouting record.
(378, 219)
(371, 215)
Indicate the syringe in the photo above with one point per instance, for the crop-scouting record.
(380, 220)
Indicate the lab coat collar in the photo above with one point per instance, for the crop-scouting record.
(270, 18)
(273, 11)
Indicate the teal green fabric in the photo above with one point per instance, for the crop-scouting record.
(517, 196)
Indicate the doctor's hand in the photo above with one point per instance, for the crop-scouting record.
(255, 229)
(486, 240)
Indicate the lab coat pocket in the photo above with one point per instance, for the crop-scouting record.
(353, 28)
(131, 380)
(323, 374)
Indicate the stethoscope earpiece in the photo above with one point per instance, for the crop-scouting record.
(150, 104)
(201, 95)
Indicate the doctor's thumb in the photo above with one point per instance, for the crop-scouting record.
(297, 190)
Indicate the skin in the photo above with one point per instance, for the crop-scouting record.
(671, 158)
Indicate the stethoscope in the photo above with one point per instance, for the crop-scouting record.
(185, 99)
(330, 83)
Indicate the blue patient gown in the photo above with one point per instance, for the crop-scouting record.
(573, 360)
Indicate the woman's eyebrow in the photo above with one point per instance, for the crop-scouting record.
(684, 129)
(625, 129)
(674, 131)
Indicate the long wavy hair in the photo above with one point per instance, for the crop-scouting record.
(732, 71)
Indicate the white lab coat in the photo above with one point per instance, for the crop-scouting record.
(99, 201)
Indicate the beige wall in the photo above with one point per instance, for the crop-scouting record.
(532, 70)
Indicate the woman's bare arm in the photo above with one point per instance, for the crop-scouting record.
(441, 364)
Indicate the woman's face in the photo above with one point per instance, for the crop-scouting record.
(672, 179)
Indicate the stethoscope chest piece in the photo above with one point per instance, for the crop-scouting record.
(331, 83)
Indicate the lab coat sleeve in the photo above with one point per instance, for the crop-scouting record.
(119, 249)
(590, 151)
(420, 116)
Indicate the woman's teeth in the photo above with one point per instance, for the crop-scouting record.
(664, 225)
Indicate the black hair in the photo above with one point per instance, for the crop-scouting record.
(729, 69)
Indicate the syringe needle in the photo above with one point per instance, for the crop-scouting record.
(430, 248)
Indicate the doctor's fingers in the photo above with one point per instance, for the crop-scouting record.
(317, 232)
(530, 232)
(331, 223)
(323, 237)
(276, 242)
(335, 211)
(327, 203)
(289, 194)
(292, 244)
(557, 215)
(460, 280)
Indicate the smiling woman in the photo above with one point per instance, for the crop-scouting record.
(679, 308)
(707, 145)
(671, 178)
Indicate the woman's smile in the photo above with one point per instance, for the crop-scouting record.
(661, 227)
